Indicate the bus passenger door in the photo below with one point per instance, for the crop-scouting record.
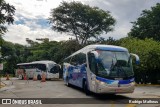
(91, 72)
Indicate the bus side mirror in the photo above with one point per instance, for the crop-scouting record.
(137, 58)
(95, 54)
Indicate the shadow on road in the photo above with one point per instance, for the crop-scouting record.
(94, 98)
(102, 96)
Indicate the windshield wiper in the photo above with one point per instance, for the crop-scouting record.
(129, 60)
(112, 66)
(119, 68)
(123, 71)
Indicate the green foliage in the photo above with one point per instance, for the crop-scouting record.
(81, 21)
(9, 56)
(53, 50)
(149, 53)
(6, 15)
(148, 24)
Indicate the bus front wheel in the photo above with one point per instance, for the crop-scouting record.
(85, 87)
(39, 77)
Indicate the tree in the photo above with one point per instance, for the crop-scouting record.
(148, 24)
(149, 52)
(101, 40)
(31, 42)
(6, 15)
(9, 57)
(81, 21)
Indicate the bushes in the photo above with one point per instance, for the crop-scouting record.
(149, 52)
(148, 71)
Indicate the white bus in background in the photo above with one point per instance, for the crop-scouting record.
(49, 68)
(23, 68)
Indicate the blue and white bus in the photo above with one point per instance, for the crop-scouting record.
(100, 69)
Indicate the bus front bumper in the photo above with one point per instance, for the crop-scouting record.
(128, 88)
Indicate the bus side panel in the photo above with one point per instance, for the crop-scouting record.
(76, 74)
(82, 74)
(70, 74)
(19, 72)
(76, 71)
(30, 73)
(91, 80)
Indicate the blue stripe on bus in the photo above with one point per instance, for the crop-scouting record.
(108, 81)
(111, 49)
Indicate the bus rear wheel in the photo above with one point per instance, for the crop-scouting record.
(85, 88)
(20, 77)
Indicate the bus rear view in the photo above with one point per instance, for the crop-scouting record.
(108, 70)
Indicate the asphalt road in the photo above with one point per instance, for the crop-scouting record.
(56, 89)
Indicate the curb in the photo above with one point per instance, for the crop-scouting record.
(2, 85)
(146, 85)
(56, 79)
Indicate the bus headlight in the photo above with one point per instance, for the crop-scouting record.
(132, 83)
(100, 82)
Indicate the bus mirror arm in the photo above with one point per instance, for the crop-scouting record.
(95, 54)
(85, 65)
(137, 58)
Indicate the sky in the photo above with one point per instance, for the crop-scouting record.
(31, 18)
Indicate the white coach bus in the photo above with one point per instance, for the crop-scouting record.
(50, 68)
(100, 69)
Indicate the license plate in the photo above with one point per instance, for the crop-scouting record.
(118, 90)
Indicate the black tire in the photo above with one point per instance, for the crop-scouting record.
(39, 77)
(20, 77)
(85, 87)
(67, 82)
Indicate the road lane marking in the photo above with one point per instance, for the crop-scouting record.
(112, 105)
(131, 105)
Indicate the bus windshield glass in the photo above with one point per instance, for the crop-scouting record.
(114, 64)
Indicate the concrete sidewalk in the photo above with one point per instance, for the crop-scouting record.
(148, 85)
(6, 84)
(2, 85)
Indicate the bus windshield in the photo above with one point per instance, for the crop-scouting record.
(114, 64)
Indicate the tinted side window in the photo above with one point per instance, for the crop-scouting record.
(41, 67)
(92, 62)
(81, 58)
(67, 60)
(74, 60)
(78, 59)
